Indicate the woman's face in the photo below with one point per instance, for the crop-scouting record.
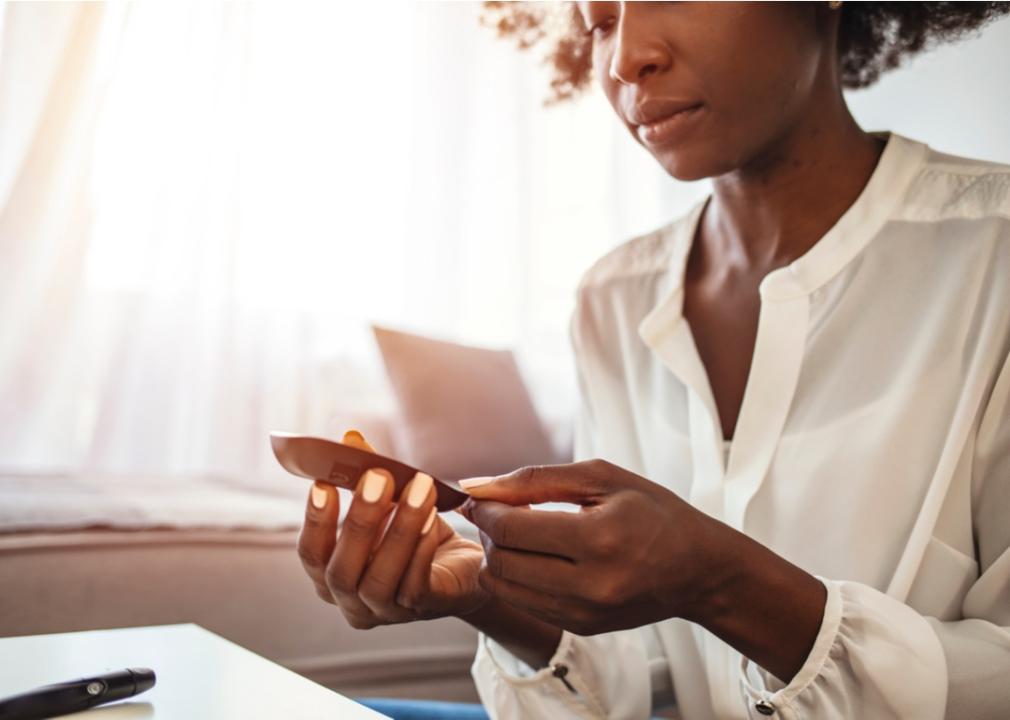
(731, 79)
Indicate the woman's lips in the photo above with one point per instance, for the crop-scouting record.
(669, 128)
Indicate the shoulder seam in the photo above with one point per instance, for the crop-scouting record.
(967, 195)
(641, 256)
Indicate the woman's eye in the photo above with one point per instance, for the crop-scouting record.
(603, 26)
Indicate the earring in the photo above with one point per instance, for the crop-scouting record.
(834, 4)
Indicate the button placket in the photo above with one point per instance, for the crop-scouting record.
(771, 385)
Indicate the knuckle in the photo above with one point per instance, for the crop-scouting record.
(410, 599)
(312, 522)
(606, 543)
(583, 622)
(359, 622)
(325, 596)
(338, 581)
(498, 528)
(309, 555)
(527, 474)
(538, 473)
(574, 626)
(373, 595)
(598, 467)
(400, 532)
(558, 609)
(356, 524)
(607, 593)
(553, 614)
(583, 534)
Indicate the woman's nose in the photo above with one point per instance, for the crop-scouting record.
(638, 51)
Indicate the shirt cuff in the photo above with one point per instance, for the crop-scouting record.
(515, 670)
(598, 676)
(562, 678)
(873, 657)
(764, 693)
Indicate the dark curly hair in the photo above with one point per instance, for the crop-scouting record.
(873, 37)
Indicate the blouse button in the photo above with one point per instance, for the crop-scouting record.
(765, 708)
(560, 672)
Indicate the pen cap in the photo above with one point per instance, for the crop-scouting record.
(143, 678)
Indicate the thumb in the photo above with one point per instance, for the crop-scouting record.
(574, 483)
(357, 440)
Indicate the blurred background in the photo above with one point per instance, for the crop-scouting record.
(205, 206)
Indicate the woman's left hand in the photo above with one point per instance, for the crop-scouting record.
(634, 553)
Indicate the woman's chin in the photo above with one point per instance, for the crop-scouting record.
(695, 161)
(682, 166)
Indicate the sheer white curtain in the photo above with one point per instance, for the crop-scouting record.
(203, 206)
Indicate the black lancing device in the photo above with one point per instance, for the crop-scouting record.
(76, 695)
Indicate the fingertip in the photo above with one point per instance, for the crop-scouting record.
(476, 485)
(355, 439)
(466, 508)
(375, 484)
(317, 496)
(322, 496)
(419, 490)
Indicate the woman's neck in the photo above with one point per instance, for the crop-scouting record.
(770, 212)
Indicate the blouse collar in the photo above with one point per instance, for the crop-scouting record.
(900, 162)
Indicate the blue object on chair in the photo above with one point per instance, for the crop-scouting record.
(424, 709)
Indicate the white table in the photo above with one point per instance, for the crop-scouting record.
(199, 675)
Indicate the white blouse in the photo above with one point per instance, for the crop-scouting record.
(872, 449)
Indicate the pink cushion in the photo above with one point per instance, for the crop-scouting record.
(466, 409)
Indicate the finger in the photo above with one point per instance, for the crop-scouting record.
(364, 519)
(319, 534)
(545, 573)
(552, 609)
(584, 483)
(416, 583)
(353, 438)
(382, 577)
(384, 527)
(523, 528)
(357, 440)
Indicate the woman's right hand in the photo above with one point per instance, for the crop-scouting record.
(417, 568)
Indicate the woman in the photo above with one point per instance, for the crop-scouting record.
(801, 391)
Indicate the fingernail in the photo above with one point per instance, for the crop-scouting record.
(373, 483)
(475, 482)
(354, 434)
(420, 486)
(319, 496)
(430, 521)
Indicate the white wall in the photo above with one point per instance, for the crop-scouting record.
(956, 98)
